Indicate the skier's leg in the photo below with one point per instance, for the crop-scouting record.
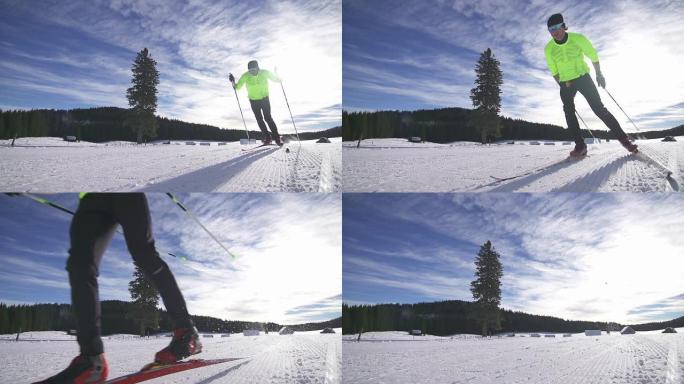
(586, 87)
(132, 212)
(267, 116)
(91, 230)
(567, 95)
(256, 108)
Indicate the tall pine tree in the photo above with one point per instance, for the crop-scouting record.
(142, 96)
(486, 96)
(486, 289)
(145, 300)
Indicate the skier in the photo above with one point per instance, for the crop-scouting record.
(257, 91)
(92, 228)
(565, 58)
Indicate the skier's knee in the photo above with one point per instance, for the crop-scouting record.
(151, 266)
(79, 270)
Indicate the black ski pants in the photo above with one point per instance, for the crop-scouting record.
(92, 228)
(263, 106)
(585, 85)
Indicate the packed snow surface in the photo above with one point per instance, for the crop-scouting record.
(52, 165)
(646, 357)
(305, 357)
(396, 165)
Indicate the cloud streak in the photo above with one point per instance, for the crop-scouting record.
(79, 55)
(287, 268)
(423, 55)
(578, 256)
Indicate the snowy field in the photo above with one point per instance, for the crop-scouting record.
(306, 357)
(643, 358)
(395, 165)
(52, 165)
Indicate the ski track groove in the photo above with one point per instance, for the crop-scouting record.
(614, 359)
(469, 168)
(196, 168)
(299, 358)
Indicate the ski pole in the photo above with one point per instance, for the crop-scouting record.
(288, 108)
(585, 125)
(241, 114)
(72, 213)
(623, 111)
(189, 213)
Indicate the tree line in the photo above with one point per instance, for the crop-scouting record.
(110, 123)
(450, 317)
(119, 317)
(445, 125)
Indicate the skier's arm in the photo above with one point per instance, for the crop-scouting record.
(552, 64)
(272, 76)
(241, 82)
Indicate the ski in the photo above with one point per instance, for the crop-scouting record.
(153, 370)
(261, 146)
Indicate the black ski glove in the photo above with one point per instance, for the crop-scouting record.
(231, 78)
(601, 80)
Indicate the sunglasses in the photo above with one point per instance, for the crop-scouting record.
(556, 27)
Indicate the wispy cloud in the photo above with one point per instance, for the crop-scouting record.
(410, 55)
(579, 256)
(287, 267)
(79, 54)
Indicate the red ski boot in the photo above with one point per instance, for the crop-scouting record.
(185, 342)
(82, 370)
(628, 144)
(579, 151)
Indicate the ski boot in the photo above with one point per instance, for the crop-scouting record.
(579, 151)
(185, 342)
(631, 147)
(266, 141)
(82, 370)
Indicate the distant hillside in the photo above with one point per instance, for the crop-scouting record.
(454, 124)
(116, 319)
(454, 316)
(676, 323)
(108, 124)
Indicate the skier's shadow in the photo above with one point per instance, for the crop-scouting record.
(526, 180)
(593, 180)
(209, 178)
(222, 373)
(589, 182)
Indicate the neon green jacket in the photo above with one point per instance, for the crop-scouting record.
(257, 86)
(567, 59)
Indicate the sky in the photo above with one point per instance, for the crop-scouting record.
(407, 55)
(78, 54)
(594, 257)
(287, 267)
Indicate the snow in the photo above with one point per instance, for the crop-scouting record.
(305, 357)
(47, 165)
(646, 357)
(396, 165)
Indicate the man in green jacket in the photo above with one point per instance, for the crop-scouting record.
(565, 58)
(257, 91)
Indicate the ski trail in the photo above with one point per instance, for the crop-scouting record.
(332, 363)
(672, 373)
(325, 176)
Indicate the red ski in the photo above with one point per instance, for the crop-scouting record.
(152, 371)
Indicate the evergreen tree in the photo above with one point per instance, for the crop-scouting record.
(486, 96)
(142, 96)
(145, 300)
(486, 289)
